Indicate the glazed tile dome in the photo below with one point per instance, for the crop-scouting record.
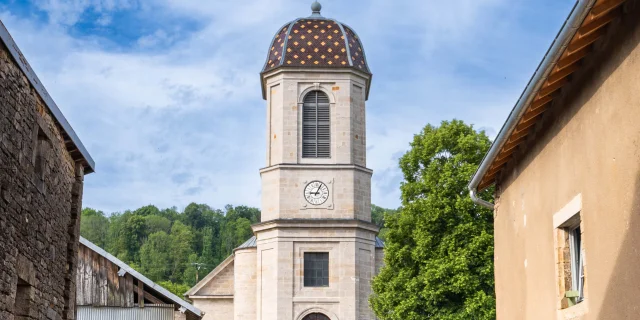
(316, 41)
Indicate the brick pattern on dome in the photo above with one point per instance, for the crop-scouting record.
(277, 47)
(355, 47)
(315, 43)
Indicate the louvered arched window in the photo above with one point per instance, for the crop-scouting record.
(316, 126)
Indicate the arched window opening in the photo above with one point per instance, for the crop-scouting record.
(316, 316)
(316, 125)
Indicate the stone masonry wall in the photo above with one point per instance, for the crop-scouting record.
(245, 284)
(40, 201)
(222, 284)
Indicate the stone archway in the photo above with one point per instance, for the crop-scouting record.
(316, 316)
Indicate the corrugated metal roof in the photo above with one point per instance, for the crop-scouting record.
(251, 243)
(149, 312)
(140, 277)
(71, 136)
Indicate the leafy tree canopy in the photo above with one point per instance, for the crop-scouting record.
(439, 245)
(170, 247)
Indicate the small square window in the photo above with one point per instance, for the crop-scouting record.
(316, 269)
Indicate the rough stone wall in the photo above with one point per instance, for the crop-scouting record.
(40, 192)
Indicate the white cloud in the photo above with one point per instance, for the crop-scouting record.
(68, 12)
(177, 115)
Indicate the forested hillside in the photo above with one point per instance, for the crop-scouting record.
(168, 246)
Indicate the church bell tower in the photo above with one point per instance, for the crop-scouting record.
(315, 246)
(313, 255)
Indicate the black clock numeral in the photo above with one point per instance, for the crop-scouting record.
(316, 192)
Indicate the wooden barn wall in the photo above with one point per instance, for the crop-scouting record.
(98, 283)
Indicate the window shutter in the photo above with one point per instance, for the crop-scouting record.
(316, 125)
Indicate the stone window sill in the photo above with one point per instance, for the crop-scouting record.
(575, 312)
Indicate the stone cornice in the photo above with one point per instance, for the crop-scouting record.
(315, 223)
(284, 69)
(309, 166)
(196, 297)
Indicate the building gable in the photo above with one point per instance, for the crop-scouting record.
(219, 282)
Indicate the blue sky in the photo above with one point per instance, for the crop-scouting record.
(165, 94)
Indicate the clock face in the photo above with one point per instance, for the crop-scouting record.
(316, 192)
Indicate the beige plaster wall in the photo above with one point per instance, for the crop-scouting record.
(591, 148)
(215, 308)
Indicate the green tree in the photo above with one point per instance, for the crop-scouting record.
(94, 226)
(175, 288)
(243, 231)
(149, 210)
(155, 258)
(156, 223)
(251, 214)
(181, 247)
(378, 215)
(439, 248)
(127, 232)
(197, 215)
(164, 244)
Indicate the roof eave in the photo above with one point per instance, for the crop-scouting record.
(22, 62)
(560, 43)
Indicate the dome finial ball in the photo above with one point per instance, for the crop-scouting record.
(316, 7)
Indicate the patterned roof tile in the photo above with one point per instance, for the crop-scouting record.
(316, 42)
